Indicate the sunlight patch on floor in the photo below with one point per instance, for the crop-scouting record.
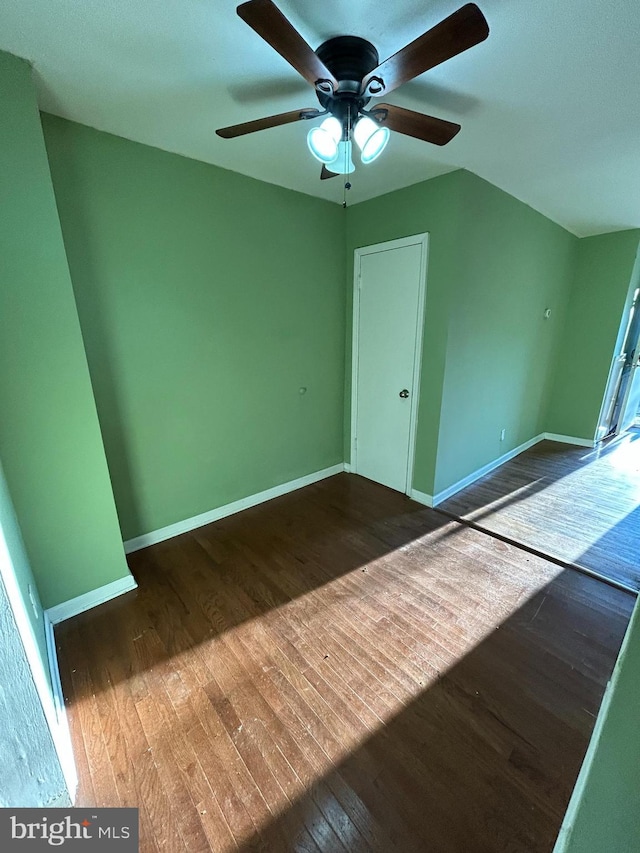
(303, 646)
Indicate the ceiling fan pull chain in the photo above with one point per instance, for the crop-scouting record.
(347, 184)
(347, 156)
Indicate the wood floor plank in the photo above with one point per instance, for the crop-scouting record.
(341, 671)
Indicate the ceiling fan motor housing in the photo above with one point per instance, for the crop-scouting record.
(349, 59)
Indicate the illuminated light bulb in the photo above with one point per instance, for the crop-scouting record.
(370, 138)
(323, 141)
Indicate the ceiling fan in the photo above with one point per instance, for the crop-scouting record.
(346, 74)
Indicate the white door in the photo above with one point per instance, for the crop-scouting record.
(620, 403)
(632, 403)
(611, 396)
(388, 322)
(631, 400)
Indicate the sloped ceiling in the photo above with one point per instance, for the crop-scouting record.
(549, 104)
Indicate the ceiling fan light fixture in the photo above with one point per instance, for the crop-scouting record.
(370, 138)
(323, 141)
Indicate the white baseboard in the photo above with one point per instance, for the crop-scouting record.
(347, 467)
(228, 509)
(569, 439)
(59, 727)
(486, 469)
(421, 497)
(491, 466)
(90, 599)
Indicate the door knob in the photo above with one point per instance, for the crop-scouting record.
(404, 393)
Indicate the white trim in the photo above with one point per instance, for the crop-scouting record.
(52, 702)
(581, 782)
(421, 497)
(60, 731)
(355, 343)
(41, 671)
(491, 466)
(347, 467)
(486, 469)
(421, 240)
(569, 439)
(90, 599)
(228, 509)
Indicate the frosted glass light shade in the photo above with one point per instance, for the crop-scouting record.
(343, 164)
(323, 141)
(370, 138)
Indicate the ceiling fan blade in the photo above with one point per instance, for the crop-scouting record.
(420, 126)
(264, 123)
(325, 173)
(457, 33)
(267, 20)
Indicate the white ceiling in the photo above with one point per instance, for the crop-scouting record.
(549, 104)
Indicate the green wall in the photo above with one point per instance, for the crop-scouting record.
(606, 815)
(494, 266)
(16, 572)
(50, 442)
(514, 264)
(207, 300)
(601, 283)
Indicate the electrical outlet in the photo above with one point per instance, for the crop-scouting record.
(502, 432)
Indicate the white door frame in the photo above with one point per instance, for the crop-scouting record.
(423, 241)
(47, 684)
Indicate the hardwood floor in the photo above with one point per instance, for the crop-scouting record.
(579, 505)
(340, 670)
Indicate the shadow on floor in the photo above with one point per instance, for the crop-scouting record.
(196, 586)
(618, 550)
(562, 501)
(484, 759)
